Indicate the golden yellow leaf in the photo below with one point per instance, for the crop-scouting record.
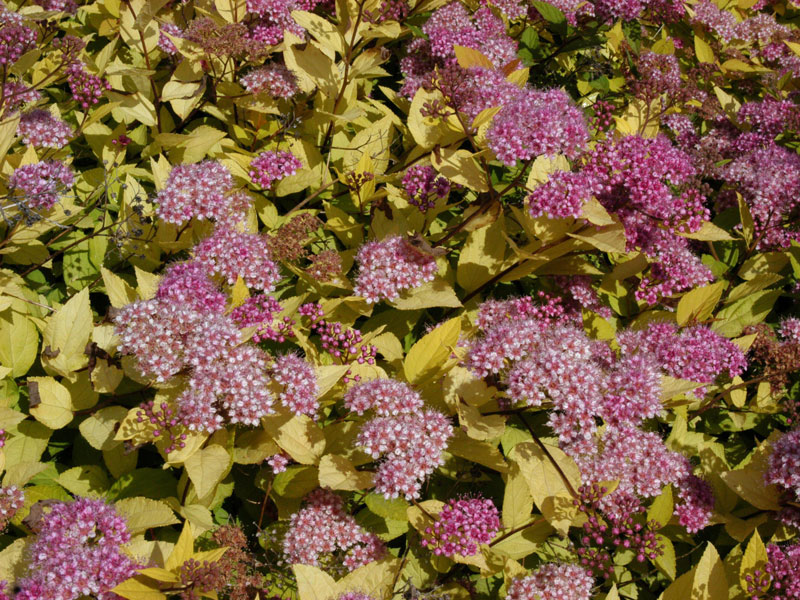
(50, 402)
(313, 583)
(298, 435)
(426, 357)
(338, 473)
(697, 304)
(469, 57)
(67, 332)
(207, 467)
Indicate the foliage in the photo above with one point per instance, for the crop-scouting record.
(302, 299)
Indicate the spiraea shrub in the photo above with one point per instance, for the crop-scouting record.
(399, 299)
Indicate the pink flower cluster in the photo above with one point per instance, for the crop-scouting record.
(553, 581)
(391, 266)
(198, 190)
(423, 186)
(537, 122)
(15, 38)
(177, 333)
(260, 311)
(451, 26)
(87, 89)
(278, 462)
(784, 464)
(323, 534)
(542, 361)
(781, 569)
(462, 526)
(273, 79)
(409, 440)
(164, 43)
(387, 397)
(11, 500)
(695, 353)
(299, 381)
(274, 16)
(41, 184)
(232, 254)
(354, 596)
(77, 552)
(40, 128)
(652, 187)
(270, 166)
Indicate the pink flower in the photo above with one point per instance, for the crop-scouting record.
(462, 526)
(386, 397)
(323, 530)
(299, 382)
(231, 254)
(41, 184)
(196, 190)
(77, 552)
(40, 128)
(11, 500)
(553, 581)
(273, 79)
(389, 267)
(270, 166)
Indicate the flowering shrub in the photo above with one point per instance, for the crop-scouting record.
(399, 299)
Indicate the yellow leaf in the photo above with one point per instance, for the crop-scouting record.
(476, 451)
(538, 467)
(698, 304)
(731, 320)
(207, 467)
(373, 579)
(328, 376)
(119, 292)
(298, 435)
(160, 574)
(710, 582)
(469, 57)
(426, 357)
(481, 256)
(517, 499)
(323, 30)
(144, 513)
(65, 337)
(703, 51)
(183, 549)
(136, 588)
(709, 232)
(146, 283)
(50, 402)
(19, 342)
(754, 559)
(610, 238)
(460, 167)
(543, 166)
(734, 64)
(239, 292)
(313, 583)
(748, 482)
(680, 589)
(480, 427)
(436, 293)
(338, 473)
(662, 507)
(763, 263)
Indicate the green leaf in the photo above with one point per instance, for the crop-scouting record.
(552, 15)
(731, 320)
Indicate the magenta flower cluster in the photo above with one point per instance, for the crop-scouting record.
(323, 533)
(409, 440)
(78, 551)
(15, 37)
(273, 79)
(232, 254)
(38, 186)
(462, 526)
(41, 129)
(781, 570)
(261, 311)
(783, 468)
(195, 191)
(299, 383)
(651, 186)
(553, 581)
(271, 166)
(423, 186)
(12, 499)
(391, 266)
